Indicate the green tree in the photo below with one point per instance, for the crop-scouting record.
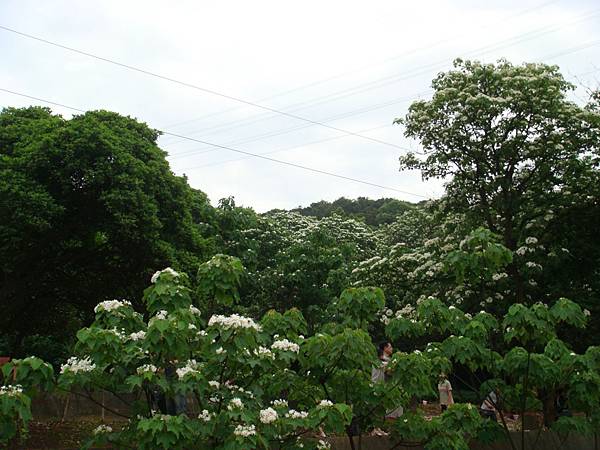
(510, 143)
(89, 209)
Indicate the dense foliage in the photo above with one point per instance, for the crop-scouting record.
(372, 212)
(89, 206)
(474, 284)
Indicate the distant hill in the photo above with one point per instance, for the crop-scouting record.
(372, 212)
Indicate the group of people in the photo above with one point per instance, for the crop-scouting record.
(381, 374)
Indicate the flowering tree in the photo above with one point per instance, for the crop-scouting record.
(239, 377)
(522, 160)
(528, 370)
(26, 378)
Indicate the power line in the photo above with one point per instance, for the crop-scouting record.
(368, 66)
(395, 78)
(299, 166)
(201, 151)
(199, 88)
(193, 86)
(243, 152)
(547, 57)
(319, 141)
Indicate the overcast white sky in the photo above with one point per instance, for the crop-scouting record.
(360, 63)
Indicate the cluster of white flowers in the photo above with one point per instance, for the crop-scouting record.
(323, 445)
(77, 365)
(285, 345)
(521, 251)
(167, 270)
(499, 276)
(235, 403)
(118, 333)
(146, 368)
(280, 403)
(408, 310)
(293, 414)
(191, 366)
(102, 429)
(264, 352)
(233, 321)
(214, 384)
(111, 305)
(195, 311)
(531, 240)
(325, 404)
(533, 265)
(268, 415)
(587, 313)
(234, 387)
(205, 415)
(245, 430)
(137, 336)
(160, 315)
(220, 350)
(11, 390)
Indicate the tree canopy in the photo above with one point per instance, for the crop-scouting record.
(89, 209)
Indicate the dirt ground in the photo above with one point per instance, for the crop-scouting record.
(57, 435)
(71, 434)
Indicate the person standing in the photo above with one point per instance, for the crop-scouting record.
(380, 374)
(489, 406)
(445, 390)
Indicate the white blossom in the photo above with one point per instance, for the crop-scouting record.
(264, 352)
(77, 365)
(531, 240)
(268, 415)
(102, 429)
(521, 251)
(111, 305)
(138, 336)
(285, 345)
(323, 445)
(160, 315)
(280, 403)
(146, 368)
(214, 384)
(195, 311)
(235, 403)
(587, 313)
(234, 321)
(191, 366)
(167, 270)
(11, 390)
(325, 404)
(205, 415)
(245, 430)
(293, 414)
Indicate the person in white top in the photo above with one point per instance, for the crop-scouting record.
(445, 390)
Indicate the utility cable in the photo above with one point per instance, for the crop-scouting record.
(243, 152)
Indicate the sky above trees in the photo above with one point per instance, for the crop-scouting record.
(361, 64)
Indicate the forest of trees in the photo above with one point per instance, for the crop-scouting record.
(90, 210)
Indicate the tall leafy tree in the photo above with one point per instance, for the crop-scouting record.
(89, 209)
(513, 148)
